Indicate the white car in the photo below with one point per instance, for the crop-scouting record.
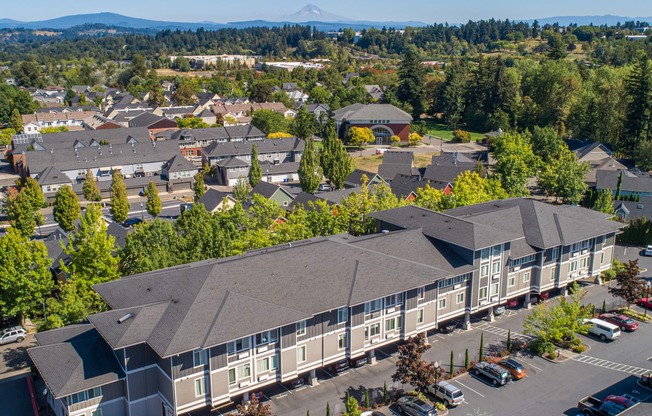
(15, 334)
(648, 250)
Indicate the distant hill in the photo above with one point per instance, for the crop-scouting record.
(312, 13)
(607, 19)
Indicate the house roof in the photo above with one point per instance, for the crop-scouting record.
(388, 171)
(146, 120)
(337, 195)
(118, 232)
(302, 199)
(268, 190)
(608, 179)
(70, 139)
(284, 144)
(179, 163)
(52, 176)
(213, 198)
(395, 156)
(232, 162)
(361, 112)
(404, 185)
(355, 177)
(446, 172)
(634, 209)
(177, 309)
(73, 359)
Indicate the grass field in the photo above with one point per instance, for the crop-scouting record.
(371, 163)
(442, 130)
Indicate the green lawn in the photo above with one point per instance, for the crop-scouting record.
(442, 130)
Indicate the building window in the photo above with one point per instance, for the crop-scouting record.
(373, 306)
(483, 292)
(495, 251)
(262, 365)
(495, 267)
(442, 303)
(267, 337)
(393, 324)
(494, 289)
(553, 271)
(274, 362)
(231, 375)
(393, 300)
(601, 258)
(301, 354)
(484, 270)
(342, 315)
(421, 292)
(94, 392)
(371, 331)
(460, 298)
(555, 253)
(244, 371)
(301, 328)
(200, 387)
(524, 260)
(199, 357)
(78, 397)
(526, 277)
(96, 412)
(511, 281)
(341, 341)
(237, 346)
(484, 254)
(573, 266)
(583, 262)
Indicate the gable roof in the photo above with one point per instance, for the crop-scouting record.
(74, 359)
(355, 178)
(608, 179)
(388, 112)
(148, 119)
(404, 185)
(302, 200)
(284, 144)
(52, 176)
(268, 190)
(213, 198)
(179, 163)
(634, 209)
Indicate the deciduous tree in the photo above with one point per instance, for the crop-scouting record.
(90, 188)
(410, 366)
(628, 286)
(199, 186)
(269, 121)
(241, 189)
(360, 135)
(120, 205)
(20, 213)
(66, 208)
(153, 200)
(255, 174)
(152, 245)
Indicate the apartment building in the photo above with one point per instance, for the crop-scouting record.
(210, 332)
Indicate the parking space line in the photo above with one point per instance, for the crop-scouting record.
(383, 352)
(329, 373)
(535, 367)
(467, 387)
(286, 389)
(611, 365)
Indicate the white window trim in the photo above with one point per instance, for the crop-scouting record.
(202, 384)
(439, 303)
(341, 337)
(526, 277)
(421, 316)
(202, 353)
(342, 315)
(457, 298)
(301, 328)
(305, 354)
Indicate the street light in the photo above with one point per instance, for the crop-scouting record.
(647, 294)
(142, 213)
(436, 373)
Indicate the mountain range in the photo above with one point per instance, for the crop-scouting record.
(309, 15)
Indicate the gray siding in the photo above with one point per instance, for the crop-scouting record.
(140, 355)
(288, 336)
(144, 383)
(357, 315)
(218, 357)
(411, 299)
(110, 392)
(182, 365)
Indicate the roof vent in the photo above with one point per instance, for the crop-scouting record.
(124, 318)
(385, 231)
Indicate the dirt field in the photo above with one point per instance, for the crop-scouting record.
(371, 163)
(167, 72)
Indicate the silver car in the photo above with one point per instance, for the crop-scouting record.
(415, 407)
(15, 334)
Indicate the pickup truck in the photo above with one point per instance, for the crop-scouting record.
(591, 406)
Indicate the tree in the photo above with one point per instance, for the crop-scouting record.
(253, 408)
(360, 135)
(191, 123)
(574, 313)
(261, 92)
(184, 95)
(20, 213)
(469, 189)
(366, 399)
(138, 66)
(156, 97)
(304, 124)
(414, 139)
(628, 286)
(328, 409)
(199, 186)
(564, 177)
(411, 81)
(604, 202)
(515, 162)
(334, 159)
(509, 340)
(638, 89)
(152, 245)
(310, 173)
(466, 359)
(545, 323)
(25, 277)
(66, 208)
(241, 189)
(33, 193)
(352, 406)
(255, 172)
(643, 156)
(120, 205)
(452, 369)
(453, 93)
(556, 51)
(153, 200)
(385, 396)
(68, 308)
(481, 353)
(16, 121)
(91, 251)
(410, 367)
(90, 188)
(269, 121)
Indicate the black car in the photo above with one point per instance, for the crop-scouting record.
(341, 365)
(296, 383)
(131, 221)
(359, 362)
(448, 328)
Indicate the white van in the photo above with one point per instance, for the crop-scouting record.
(603, 329)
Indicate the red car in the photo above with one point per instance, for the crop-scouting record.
(645, 303)
(623, 401)
(625, 323)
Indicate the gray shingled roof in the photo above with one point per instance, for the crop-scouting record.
(232, 162)
(285, 144)
(52, 176)
(212, 199)
(176, 310)
(302, 200)
(404, 185)
(267, 190)
(145, 120)
(447, 172)
(373, 112)
(608, 179)
(636, 209)
(74, 359)
(355, 177)
(179, 163)
(388, 171)
(66, 140)
(396, 156)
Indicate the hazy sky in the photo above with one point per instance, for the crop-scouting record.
(428, 11)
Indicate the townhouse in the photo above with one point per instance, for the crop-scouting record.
(74, 120)
(206, 333)
(193, 141)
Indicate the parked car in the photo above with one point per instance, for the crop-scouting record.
(359, 361)
(622, 400)
(415, 407)
(341, 365)
(592, 406)
(603, 329)
(448, 393)
(496, 374)
(625, 323)
(372, 413)
(13, 334)
(325, 187)
(512, 303)
(515, 368)
(131, 221)
(296, 383)
(499, 310)
(449, 327)
(648, 250)
(258, 395)
(645, 303)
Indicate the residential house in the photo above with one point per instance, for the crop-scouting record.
(305, 201)
(319, 110)
(405, 187)
(274, 193)
(384, 120)
(98, 122)
(397, 162)
(193, 141)
(445, 168)
(639, 183)
(297, 96)
(629, 210)
(153, 123)
(375, 92)
(214, 200)
(73, 120)
(174, 340)
(358, 177)
(241, 113)
(279, 159)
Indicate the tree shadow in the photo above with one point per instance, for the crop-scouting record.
(16, 358)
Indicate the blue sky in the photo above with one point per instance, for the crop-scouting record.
(424, 10)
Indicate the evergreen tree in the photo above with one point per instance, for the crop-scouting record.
(25, 277)
(310, 173)
(120, 205)
(366, 399)
(336, 163)
(452, 99)
(638, 88)
(328, 409)
(153, 200)
(604, 202)
(241, 189)
(452, 369)
(385, 396)
(199, 186)
(509, 339)
(90, 188)
(411, 81)
(304, 124)
(466, 359)
(16, 121)
(619, 184)
(255, 172)
(556, 51)
(481, 353)
(66, 208)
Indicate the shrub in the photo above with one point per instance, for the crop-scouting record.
(414, 139)
(579, 349)
(538, 346)
(471, 364)
(440, 406)
(576, 342)
(552, 355)
(395, 140)
(461, 136)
